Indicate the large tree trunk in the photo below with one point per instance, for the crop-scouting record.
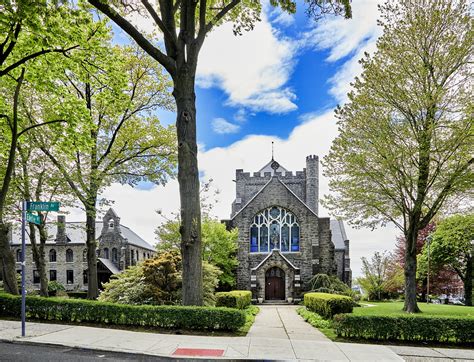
(38, 257)
(188, 178)
(8, 261)
(468, 282)
(92, 285)
(410, 305)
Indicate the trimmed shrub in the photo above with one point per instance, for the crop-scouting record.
(76, 310)
(234, 299)
(407, 328)
(327, 305)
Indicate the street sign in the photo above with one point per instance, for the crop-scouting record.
(35, 219)
(42, 206)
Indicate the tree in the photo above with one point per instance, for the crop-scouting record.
(405, 139)
(451, 246)
(184, 25)
(375, 279)
(121, 140)
(33, 28)
(219, 246)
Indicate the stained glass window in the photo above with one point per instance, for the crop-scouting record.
(274, 228)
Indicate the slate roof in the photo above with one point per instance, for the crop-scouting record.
(76, 234)
(109, 265)
(338, 234)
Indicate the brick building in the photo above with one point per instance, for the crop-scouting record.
(66, 254)
(282, 241)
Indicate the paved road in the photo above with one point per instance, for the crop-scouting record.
(38, 353)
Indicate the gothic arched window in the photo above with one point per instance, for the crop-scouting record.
(114, 255)
(69, 256)
(106, 253)
(274, 228)
(52, 256)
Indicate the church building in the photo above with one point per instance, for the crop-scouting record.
(282, 241)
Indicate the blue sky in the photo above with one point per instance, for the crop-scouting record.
(279, 83)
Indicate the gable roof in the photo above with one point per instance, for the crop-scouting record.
(268, 168)
(280, 254)
(263, 188)
(76, 234)
(338, 234)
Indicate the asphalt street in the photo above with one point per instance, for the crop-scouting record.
(27, 353)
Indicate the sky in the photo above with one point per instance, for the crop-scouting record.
(279, 82)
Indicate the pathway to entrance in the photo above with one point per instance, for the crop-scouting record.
(280, 333)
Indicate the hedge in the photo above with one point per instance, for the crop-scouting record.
(76, 310)
(407, 328)
(234, 299)
(327, 305)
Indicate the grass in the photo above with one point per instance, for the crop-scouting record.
(395, 308)
(324, 325)
(250, 312)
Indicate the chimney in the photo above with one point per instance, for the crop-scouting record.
(312, 182)
(61, 231)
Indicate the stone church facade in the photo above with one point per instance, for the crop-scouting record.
(282, 241)
(66, 255)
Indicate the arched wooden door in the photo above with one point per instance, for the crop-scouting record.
(275, 284)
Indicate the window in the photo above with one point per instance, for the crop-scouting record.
(53, 275)
(18, 255)
(52, 256)
(132, 257)
(70, 276)
(144, 256)
(274, 228)
(36, 277)
(85, 278)
(69, 256)
(137, 255)
(106, 253)
(114, 255)
(84, 255)
(111, 224)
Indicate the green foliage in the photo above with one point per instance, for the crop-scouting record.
(327, 305)
(250, 312)
(405, 328)
(210, 280)
(162, 275)
(313, 318)
(395, 309)
(219, 246)
(450, 245)
(329, 284)
(128, 287)
(234, 299)
(55, 286)
(169, 317)
(377, 282)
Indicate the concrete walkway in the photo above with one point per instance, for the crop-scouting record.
(278, 333)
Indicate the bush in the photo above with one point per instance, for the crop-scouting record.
(327, 305)
(54, 286)
(234, 299)
(77, 295)
(407, 328)
(323, 283)
(75, 310)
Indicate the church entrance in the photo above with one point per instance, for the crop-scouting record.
(275, 284)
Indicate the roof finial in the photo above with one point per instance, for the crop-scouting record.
(272, 149)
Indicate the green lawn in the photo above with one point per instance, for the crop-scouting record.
(394, 308)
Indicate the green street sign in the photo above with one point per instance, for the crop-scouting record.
(42, 206)
(35, 219)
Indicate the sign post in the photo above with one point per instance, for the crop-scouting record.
(29, 217)
(23, 290)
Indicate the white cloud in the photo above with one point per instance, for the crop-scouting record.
(221, 126)
(251, 69)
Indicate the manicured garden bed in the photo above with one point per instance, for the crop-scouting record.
(102, 313)
(387, 322)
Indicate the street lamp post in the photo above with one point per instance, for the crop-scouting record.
(428, 240)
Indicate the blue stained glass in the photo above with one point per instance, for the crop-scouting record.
(285, 238)
(274, 236)
(264, 239)
(254, 239)
(295, 238)
(274, 212)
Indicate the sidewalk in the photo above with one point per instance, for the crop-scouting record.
(278, 333)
